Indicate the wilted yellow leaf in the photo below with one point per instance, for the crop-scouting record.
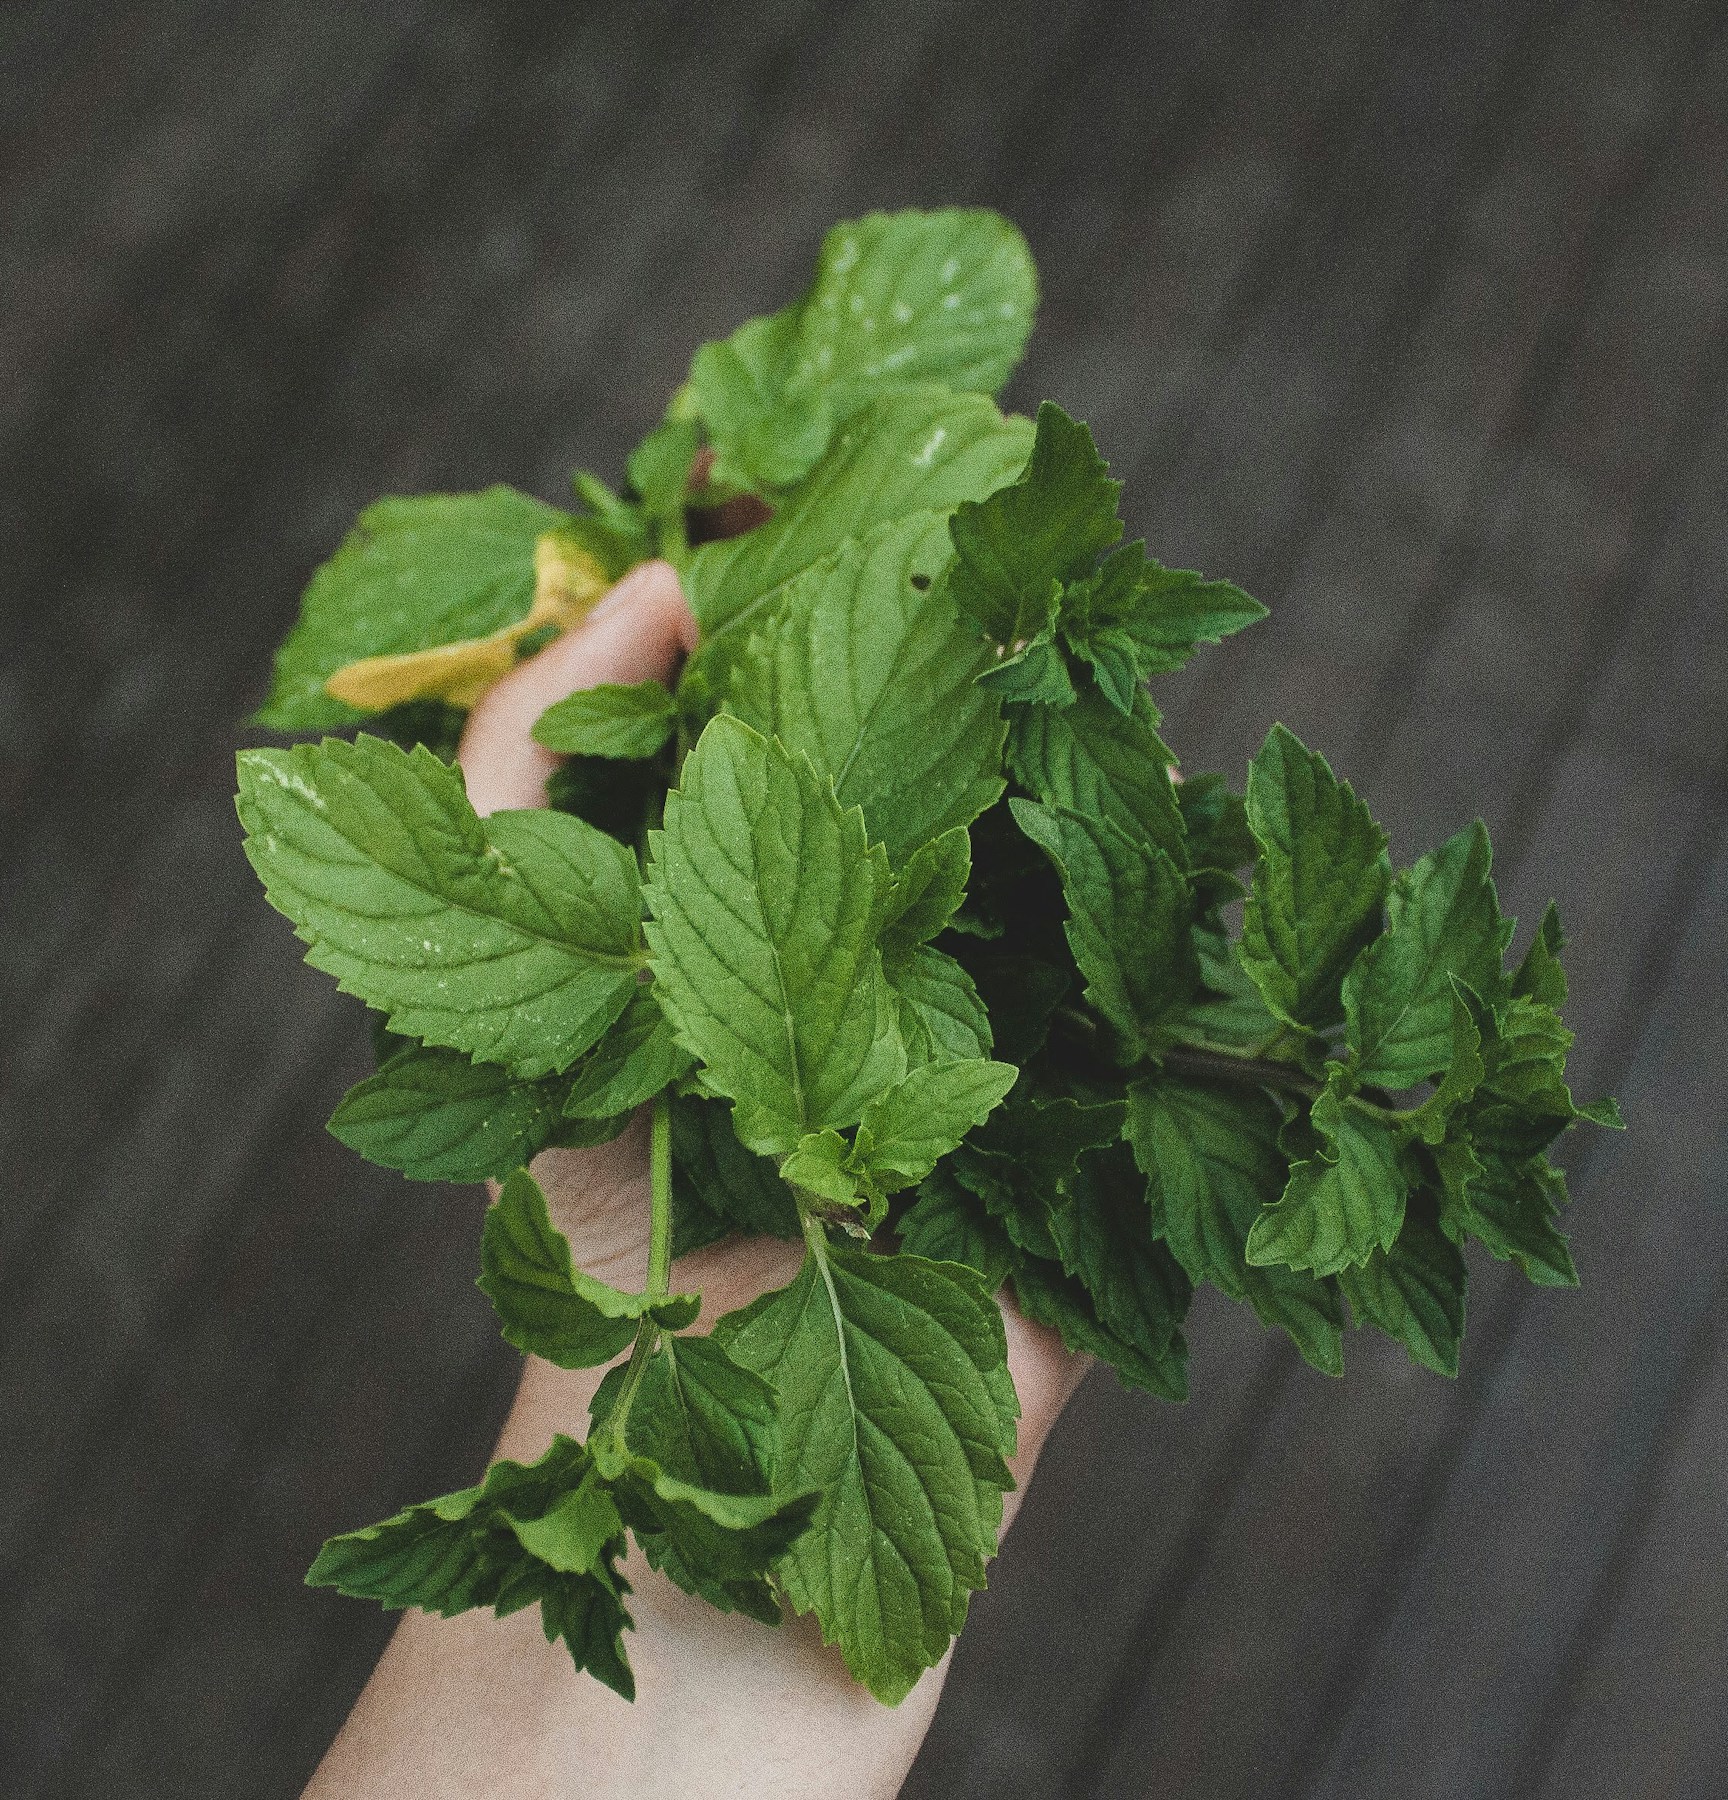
(567, 582)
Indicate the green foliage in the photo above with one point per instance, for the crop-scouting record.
(894, 918)
(411, 575)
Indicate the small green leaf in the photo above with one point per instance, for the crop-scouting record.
(897, 1410)
(905, 1132)
(515, 939)
(767, 902)
(632, 1063)
(1216, 823)
(545, 1304)
(927, 891)
(820, 1164)
(1319, 882)
(1049, 526)
(1339, 1205)
(609, 720)
(941, 1014)
(1413, 1292)
(1178, 610)
(948, 1223)
(1443, 921)
(1091, 758)
(436, 1116)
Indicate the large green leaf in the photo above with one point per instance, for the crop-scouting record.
(897, 1408)
(767, 903)
(516, 939)
(412, 574)
(1413, 1292)
(1339, 1205)
(921, 451)
(1319, 881)
(867, 668)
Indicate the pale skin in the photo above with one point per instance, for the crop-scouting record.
(477, 1706)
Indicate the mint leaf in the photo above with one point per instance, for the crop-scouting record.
(1443, 920)
(630, 1065)
(941, 1014)
(897, 1410)
(1130, 917)
(515, 940)
(1212, 1163)
(546, 1305)
(767, 901)
(411, 575)
(1510, 1208)
(1413, 1292)
(713, 1172)
(1339, 1205)
(905, 1132)
(948, 1223)
(899, 298)
(927, 891)
(1539, 976)
(868, 670)
(436, 1116)
(1216, 823)
(1176, 610)
(921, 451)
(1048, 1295)
(1091, 758)
(1319, 882)
(467, 1549)
(609, 720)
(1016, 549)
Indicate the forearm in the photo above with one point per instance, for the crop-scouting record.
(477, 1706)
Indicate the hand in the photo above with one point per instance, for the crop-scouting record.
(477, 1706)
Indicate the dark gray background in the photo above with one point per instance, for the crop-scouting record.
(1410, 316)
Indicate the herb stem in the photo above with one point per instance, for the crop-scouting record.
(1231, 1065)
(659, 1260)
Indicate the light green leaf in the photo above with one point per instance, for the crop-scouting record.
(411, 575)
(944, 297)
(905, 1132)
(1090, 758)
(921, 451)
(571, 1536)
(515, 940)
(941, 1014)
(1177, 610)
(1413, 1292)
(1212, 1164)
(1016, 548)
(1130, 917)
(437, 1116)
(867, 669)
(609, 720)
(632, 1063)
(1443, 920)
(897, 1409)
(928, 891)
(767, 902)
(659, 468)
(820, 1164)
(546, 1305)
(1319, 882)
(762, 436)
(1339, 1206)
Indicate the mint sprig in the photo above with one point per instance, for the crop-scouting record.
(893, 914)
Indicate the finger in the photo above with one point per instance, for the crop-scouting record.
(637, 633)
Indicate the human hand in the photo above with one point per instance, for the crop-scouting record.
(476, 1705)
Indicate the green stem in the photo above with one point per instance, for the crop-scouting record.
(1219, 1061)
(659, 1259)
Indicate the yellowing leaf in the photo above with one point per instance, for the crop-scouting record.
(567, 582)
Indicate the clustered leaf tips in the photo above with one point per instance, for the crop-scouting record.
(892, 914)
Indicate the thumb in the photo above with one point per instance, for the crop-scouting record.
(638, 632)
